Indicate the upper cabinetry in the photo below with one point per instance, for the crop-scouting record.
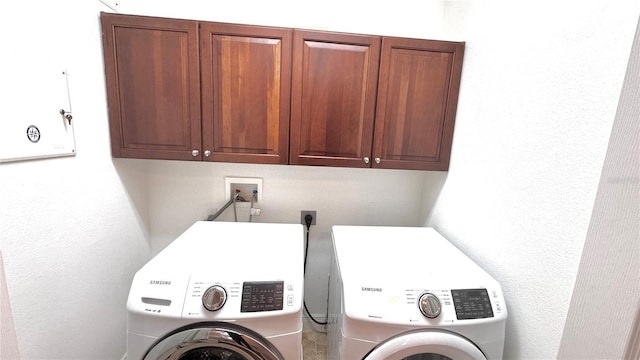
(246, 83)
(190, 90)
(417, 99)
(334, 98)
(153, 86)
(337, 85)
(224, 98)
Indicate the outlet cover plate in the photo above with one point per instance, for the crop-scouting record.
(304, 213)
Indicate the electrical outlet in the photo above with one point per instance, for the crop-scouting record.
(246, 186)
(304, 213)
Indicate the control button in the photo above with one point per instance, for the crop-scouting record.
(214, 298)
(429, 305)
(290, 300)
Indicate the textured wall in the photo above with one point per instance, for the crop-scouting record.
(607, 291)
(540, 87)
(70, 233)
(8, 339)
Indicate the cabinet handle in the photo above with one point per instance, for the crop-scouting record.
(207, 153)
(195, 152)
(366, 160)
(377, 160)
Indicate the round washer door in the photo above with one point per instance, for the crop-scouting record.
(213, 341)
(426, 345)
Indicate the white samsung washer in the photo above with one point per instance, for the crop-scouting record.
(221, 290)
(408, 293)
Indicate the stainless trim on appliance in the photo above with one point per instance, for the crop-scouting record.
(426, 343)
(213, 335)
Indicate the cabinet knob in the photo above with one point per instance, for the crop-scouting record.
(195, 152)
(366, 160)
(207, 153)
(377, 160)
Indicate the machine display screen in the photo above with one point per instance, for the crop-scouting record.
(472, 304)
(262, 296)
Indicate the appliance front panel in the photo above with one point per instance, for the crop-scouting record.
(213, 340)
(425, 345)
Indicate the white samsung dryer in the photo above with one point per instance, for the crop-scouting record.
(221, 290)
(408, 293)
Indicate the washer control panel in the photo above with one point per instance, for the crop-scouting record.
(262, 296)
(208, 299)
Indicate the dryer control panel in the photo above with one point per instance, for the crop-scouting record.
(467, 304)
(419, 306)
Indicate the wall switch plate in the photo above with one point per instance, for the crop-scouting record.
(246, 186)
(304, 213)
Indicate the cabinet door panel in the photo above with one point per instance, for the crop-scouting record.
(333, 102)
(245, 90)
(151, 67)
(417, 100)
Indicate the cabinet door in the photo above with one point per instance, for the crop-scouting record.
(333, 102)
(246, 86)
(153, 91)
(417, 100)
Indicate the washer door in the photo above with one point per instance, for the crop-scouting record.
(213, 341)
(426, 345)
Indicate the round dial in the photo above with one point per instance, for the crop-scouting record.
(214, 298)
(429, 305)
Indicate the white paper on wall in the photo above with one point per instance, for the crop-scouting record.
(38, 122)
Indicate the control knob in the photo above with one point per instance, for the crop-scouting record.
(429, 305)
(214, 298)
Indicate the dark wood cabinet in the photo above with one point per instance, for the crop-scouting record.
(223, 98)
(348, 112)
(153, 86)
(246, 86)
(417, 100)
(190, 90)
(333, 102)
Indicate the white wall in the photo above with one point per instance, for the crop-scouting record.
(425, 19)
(539, 90)
(612, 247)
(540, 87)
(71, 233)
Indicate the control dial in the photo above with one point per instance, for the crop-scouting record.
(429, 305)
(214, 298)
